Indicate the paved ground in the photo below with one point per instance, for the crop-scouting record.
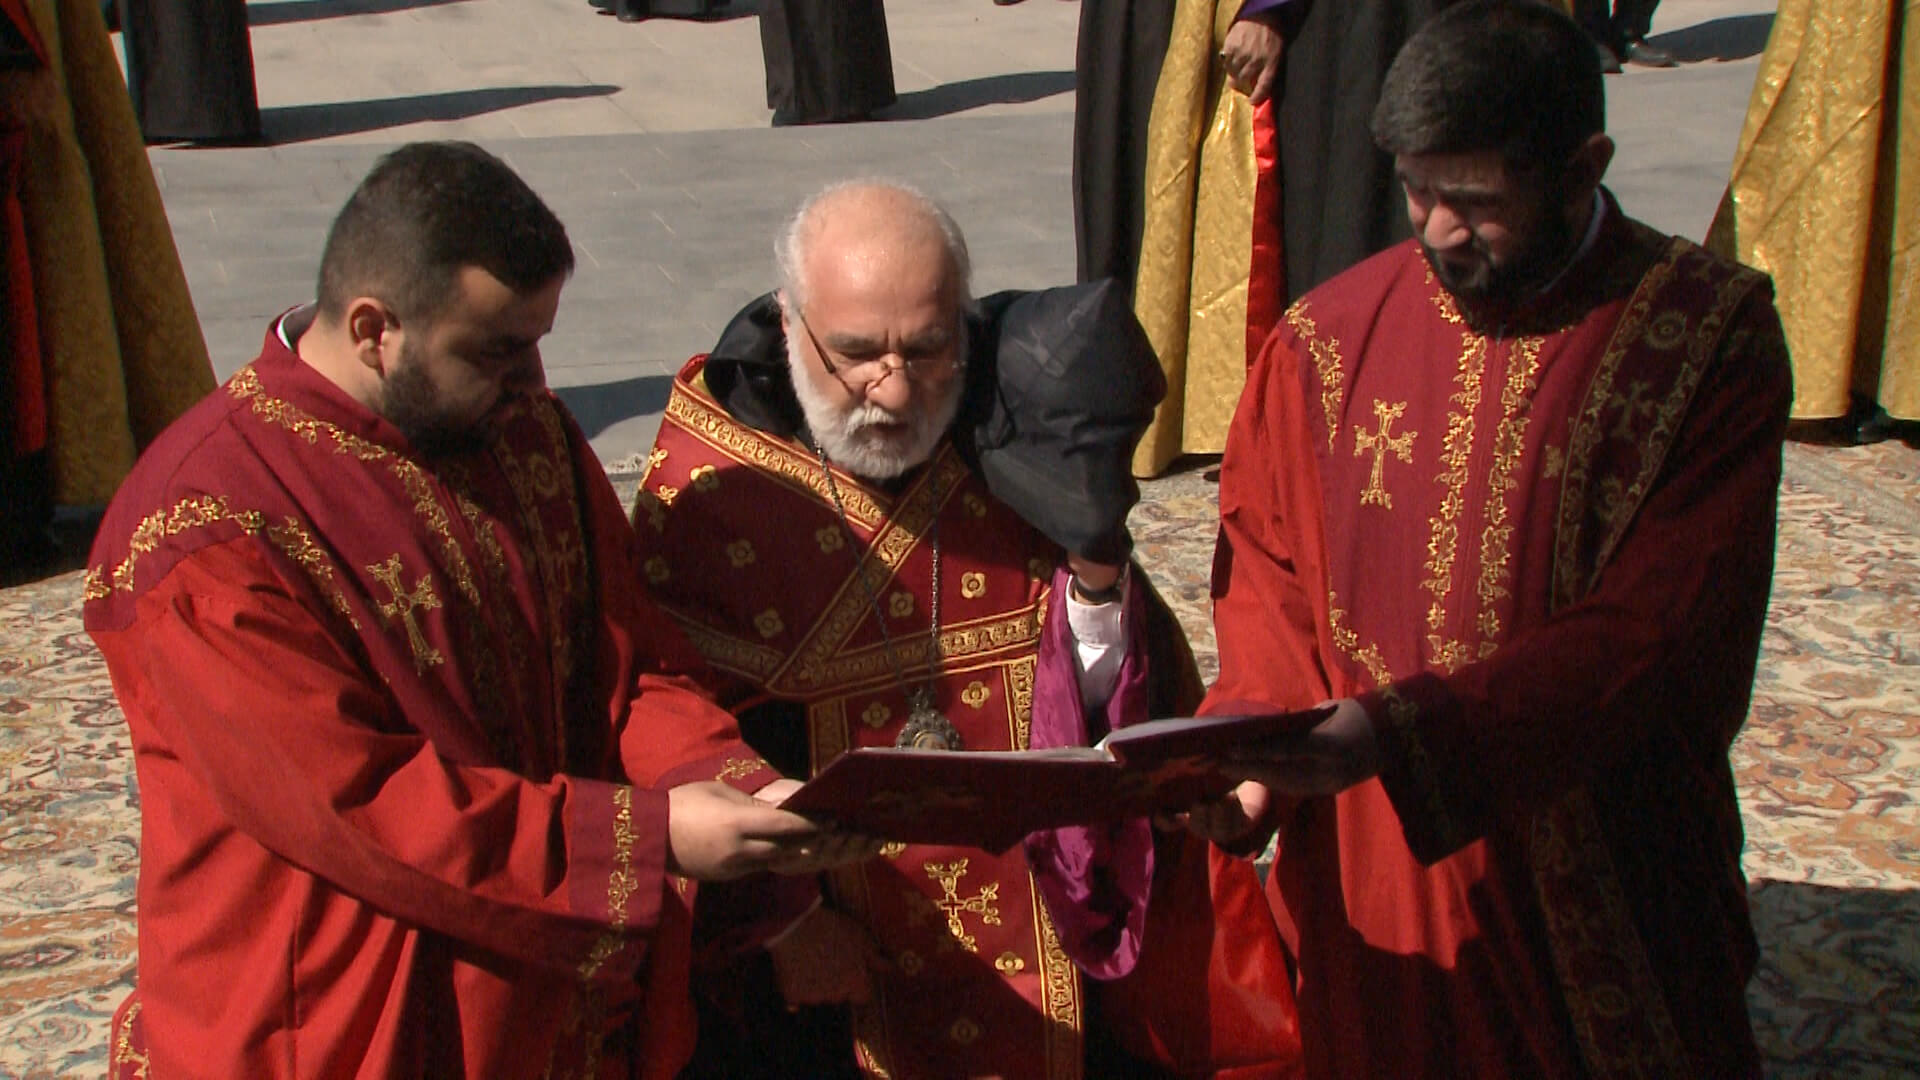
(651, 141)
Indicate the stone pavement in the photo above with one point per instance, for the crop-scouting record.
(651, 141)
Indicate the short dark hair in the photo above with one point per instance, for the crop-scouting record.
(1516, 76)
(424, 212)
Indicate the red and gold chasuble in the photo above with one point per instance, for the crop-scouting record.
(386, 713)
(1539, 554)
(745, 547)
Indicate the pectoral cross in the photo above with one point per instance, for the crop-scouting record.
(949, 875)
(1381, 444)
(404, 605)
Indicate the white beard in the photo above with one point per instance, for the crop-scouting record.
(841, 430)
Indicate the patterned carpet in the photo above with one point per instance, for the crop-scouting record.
(1828, 766)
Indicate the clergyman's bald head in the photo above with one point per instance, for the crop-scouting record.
(869, 220)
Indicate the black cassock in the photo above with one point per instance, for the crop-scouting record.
(826, 60)
(1116, 67)
(190, 69)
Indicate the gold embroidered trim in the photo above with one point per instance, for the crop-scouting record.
(1325, 354)
(740, 768)
(815, 665)
(1509, 443)
(123, 1051)
(1020, 675)
(1059, 996)
(622, 883)
(245, 385)
(728, 653)
(297, 543)
(787, 464)
(1401, 717)
(1443, 541)
(198, 512)
(1348, 641)
(870, 664)
(291, 536)
(1565, 843)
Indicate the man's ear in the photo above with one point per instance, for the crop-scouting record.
(1586, 168)
(368, 322)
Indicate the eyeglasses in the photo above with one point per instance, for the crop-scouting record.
(861, 375)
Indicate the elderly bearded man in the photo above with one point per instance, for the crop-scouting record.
(420, 792)
(830, 514)
(1506, 493)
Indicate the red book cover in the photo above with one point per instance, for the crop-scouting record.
(991, 799)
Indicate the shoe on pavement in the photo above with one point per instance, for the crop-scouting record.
(1639, 51)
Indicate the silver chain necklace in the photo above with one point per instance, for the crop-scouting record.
(927, 728)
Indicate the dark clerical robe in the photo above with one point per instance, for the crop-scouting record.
(190, 69)
(782, 593)
(403, 732)
(1539, 554)
(826, 60)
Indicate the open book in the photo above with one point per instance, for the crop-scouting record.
(992, 798)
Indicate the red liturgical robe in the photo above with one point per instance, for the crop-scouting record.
(1540, 557)
(780, 589)
(403, 733)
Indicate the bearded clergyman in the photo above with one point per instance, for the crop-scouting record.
(889, 515)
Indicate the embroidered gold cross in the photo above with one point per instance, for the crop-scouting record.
(403, 606)
(1381, 444)
(949, 875)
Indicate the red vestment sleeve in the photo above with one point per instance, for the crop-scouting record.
(241, 683)
(1269, 565)
(1658, 657)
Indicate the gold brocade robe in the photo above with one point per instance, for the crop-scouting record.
(121, 343)
(1825, 196)
(1206, 276)
(742, 543)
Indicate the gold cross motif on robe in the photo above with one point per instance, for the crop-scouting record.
(981, 903)
(404, 605)
(1632, 405)
(1380, 444)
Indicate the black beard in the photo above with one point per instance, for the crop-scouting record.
(1506, 285)
(407, 402)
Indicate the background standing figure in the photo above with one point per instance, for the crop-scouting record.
(827, 61)
(190, 70)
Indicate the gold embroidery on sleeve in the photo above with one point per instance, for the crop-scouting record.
(621, 885)
(1325, 354)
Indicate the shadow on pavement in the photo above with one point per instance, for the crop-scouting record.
(293, 11)
(602, 405)
(972, 93)
(1735, 37)
(299, 123)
